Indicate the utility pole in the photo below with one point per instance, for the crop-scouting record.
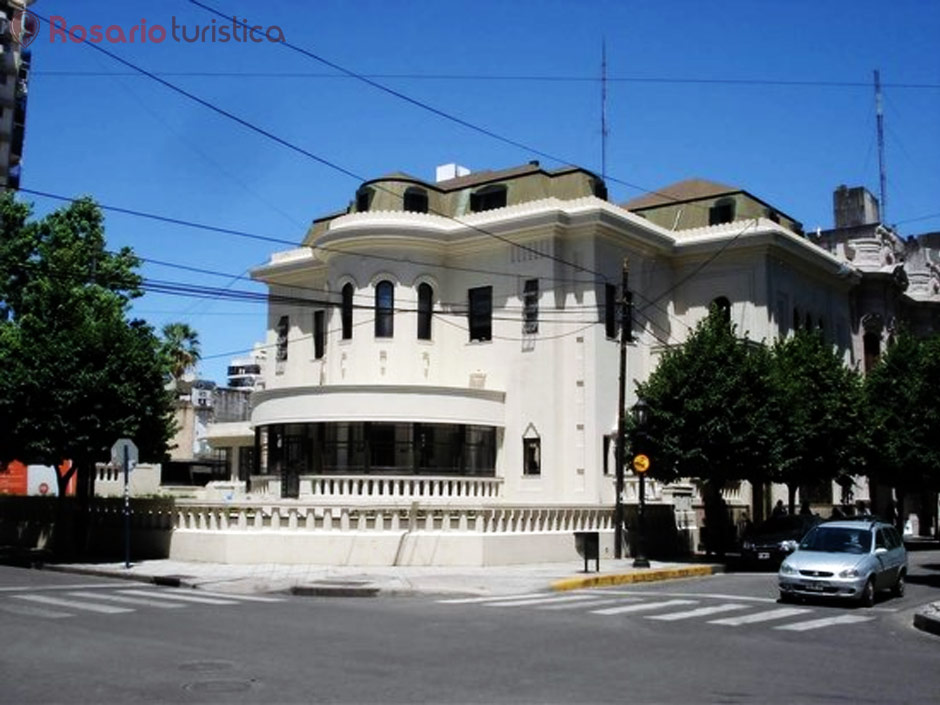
(626, 336)
(880, 118)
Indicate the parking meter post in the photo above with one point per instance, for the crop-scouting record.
(127, 509)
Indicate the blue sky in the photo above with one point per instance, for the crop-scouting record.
(127, 141)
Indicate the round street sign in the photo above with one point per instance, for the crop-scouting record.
(43, 488)
(641, 463)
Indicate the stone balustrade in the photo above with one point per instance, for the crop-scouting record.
(373, 488)
(295, 515)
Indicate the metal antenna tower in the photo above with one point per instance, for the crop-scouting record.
(604, 130)
(879, 116)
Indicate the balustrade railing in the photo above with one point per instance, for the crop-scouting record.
(384, 487)
(294, 516)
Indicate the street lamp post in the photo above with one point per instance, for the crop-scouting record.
(641, 463)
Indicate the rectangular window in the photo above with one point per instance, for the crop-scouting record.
(530, 302)
(610, 310)
(532, 456)
(283, 326)
(480, 313)
(319, 334)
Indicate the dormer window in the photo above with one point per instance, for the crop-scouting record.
(364, 200)
(721, 212)
(415, 200)
(599, 188)
(488, 198)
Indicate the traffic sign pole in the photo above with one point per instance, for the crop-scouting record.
(127, 509)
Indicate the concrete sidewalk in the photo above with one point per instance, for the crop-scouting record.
(376, 580)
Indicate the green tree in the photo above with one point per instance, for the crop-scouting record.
(181, 349)
(709, 414)
(904, 418)
(77, 374)
(816, 404)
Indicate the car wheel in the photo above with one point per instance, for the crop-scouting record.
(867, 598)
(898, 589)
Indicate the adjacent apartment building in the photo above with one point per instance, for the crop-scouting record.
(15, 63)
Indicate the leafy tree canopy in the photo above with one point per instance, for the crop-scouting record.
(77, 375)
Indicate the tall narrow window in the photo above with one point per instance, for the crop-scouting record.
(480, 313)
(319, 334)
(532, 456)
(610, 310)
(871, 343)
(425, 310)
(530, 302)
(283, 326)
(415, 200)
(347, 311)
(488, 198)
(384, 309)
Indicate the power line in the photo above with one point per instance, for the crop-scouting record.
(547, 78)
(321, 160)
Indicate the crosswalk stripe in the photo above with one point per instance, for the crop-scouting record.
(767, 616)
(127, 600)
(167, 595)
(79, 586)
(27, 611)
(490, 598)
(644, 607)
(825, 622)
(239, 596)
(590, 603)
(544, 600)
(73, 604)
(700, 612)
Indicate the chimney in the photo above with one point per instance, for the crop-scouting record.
(853, 207)
(445, 172)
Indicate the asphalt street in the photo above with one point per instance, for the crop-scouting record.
(721, 639)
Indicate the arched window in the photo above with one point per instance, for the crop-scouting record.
(415, 200)
(384, 309)
(488, 198)
(364, 199)
(722, 306)
(425, 310)
(347, 311)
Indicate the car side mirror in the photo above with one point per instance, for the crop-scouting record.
(880, 549)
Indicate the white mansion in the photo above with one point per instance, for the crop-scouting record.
(442, 378)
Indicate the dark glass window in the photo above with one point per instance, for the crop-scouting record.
(425, 310)
(532, 456)
(530, 313)
(721, 212)
(416, 200)
(347, 311)
(283, 327)
(319, 334)
(796, 319)
(480, 313)
(872, 347)
(610, 310)
(384, 309)
(488, 198)
(723, 307)
(364, 200)
(599, 188)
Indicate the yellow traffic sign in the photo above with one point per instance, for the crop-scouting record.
(641, 463)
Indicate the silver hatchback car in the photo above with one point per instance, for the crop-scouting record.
(846, 559)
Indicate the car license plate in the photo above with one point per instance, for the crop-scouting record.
(763, 556)
(815, 587)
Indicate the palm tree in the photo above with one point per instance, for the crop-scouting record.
(181, 349)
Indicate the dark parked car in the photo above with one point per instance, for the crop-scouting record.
(767, 544)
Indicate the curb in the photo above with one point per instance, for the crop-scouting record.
(646, 576)
(335, 590)
(928, 619)
(163, 580)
